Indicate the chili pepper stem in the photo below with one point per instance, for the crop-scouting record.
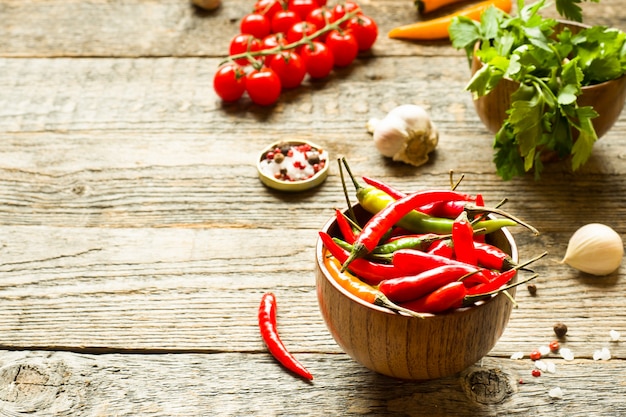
(471, 299)
(354, 181)
(383, 301)
(345, 189)
(473, 210)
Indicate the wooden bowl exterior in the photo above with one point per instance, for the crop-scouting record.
(606, 98)
(406, 347)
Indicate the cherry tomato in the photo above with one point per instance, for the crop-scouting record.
(229, 82)
(289, 67)
(263, 86)
(343, 46)
(320, 17)
(283, 20)
(241, 43)
(272, 41)
(267, 7)
(302, 7)
(318, 59)
(255, 24)
(300, 30)
(341, 9)
(365, 31)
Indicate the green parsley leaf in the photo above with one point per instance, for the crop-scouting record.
(552, 64)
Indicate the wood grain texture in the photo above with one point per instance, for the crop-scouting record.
(136, 239)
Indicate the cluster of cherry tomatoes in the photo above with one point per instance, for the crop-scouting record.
(283, 41)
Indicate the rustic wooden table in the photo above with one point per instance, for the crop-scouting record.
(136, 239)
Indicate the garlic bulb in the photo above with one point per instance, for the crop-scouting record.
(406, 134)
(595, 249)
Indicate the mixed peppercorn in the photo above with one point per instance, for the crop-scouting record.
(293, 162)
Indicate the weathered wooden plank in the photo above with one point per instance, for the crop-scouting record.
(40, 383)
(198, 290)
(58, 28)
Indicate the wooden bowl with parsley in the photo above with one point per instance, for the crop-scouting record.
(548, 89)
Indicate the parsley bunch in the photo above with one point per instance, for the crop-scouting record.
(551, 65)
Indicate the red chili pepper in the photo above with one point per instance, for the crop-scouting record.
(445, 209)
(497, 282)
(358, 288)
(370, 272)
(463, 240)
(443, 299)
(345, 227)
(269, 333)
(442, 248)
(412, 262)
(493, 257)
(396, 194)
(480, 202)
(382, 221)
(404, 289)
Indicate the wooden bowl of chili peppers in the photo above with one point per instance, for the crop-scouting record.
(414, 307)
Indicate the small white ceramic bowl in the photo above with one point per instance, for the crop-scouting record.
(291, 181)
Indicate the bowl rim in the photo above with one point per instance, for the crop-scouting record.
(282, 185)
(319, 255)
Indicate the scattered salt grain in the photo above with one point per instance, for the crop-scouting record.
(567, 354)
(544, 350)
(556, 392)
(541, 365)
(517, 355)
(602, 354)
(614, 335)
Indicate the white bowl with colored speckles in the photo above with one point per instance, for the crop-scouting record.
(296, 185)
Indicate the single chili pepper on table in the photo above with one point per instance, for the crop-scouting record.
(463, 240)
(437, 29)
(269, 333)
(358, 288)
(442, 299)
(409, 288)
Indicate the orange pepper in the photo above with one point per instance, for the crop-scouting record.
(436, 29)
(349, 282)
(358, 288)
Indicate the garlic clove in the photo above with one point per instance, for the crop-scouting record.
(390, 135)
(595, 249)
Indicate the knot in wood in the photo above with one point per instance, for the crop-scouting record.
(486, 386)
(28, 387)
